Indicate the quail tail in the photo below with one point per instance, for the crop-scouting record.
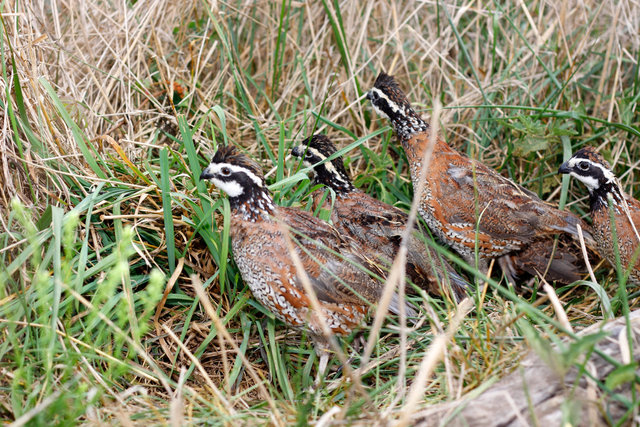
(570, 225)
(459, 286)
(394, 307)
(561, 265)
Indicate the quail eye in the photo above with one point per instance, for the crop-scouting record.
(583, 166)
(225, 171)
(374, 95)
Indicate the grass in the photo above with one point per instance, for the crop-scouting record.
(111, 112)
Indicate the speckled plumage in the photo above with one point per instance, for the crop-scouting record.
(274, 281)
(378, 226)
(331, 261)
(589, 167)
(465, 203)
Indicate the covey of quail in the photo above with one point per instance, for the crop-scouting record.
(468, 205)
(332, 262)
(378, 226)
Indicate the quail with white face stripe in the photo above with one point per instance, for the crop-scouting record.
(378, 226)
(471, 207)
(590, 168)
(333, 263)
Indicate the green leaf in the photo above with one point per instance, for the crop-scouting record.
(621, 375)
(531, 144)
(542, 347)
(45, 219)
(165, 186)
(78, 136)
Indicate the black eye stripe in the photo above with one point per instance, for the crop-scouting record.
(315, 159)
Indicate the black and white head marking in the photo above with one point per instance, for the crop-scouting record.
(383, 105)
(592, 174)
(590, 168)
(230, 178)
(330, 173)
(242, 180)
(388, 100)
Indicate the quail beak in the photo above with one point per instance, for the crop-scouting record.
(297, 151)
(564, 168)
(206, 174)
(369, 95)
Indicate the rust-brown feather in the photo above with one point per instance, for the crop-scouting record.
(606, 199)
(337, 271)
(376, 225)
(466, 204)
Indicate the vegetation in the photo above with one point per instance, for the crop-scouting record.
(111, 110)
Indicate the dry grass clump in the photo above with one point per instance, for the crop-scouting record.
(110, 111)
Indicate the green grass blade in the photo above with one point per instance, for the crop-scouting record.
(78, 136)
(165, 186)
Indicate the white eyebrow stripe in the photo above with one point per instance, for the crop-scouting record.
(328, 164)
(332, 169)
(316, 153)
(391, 104)
(215, 168)
(605, 172)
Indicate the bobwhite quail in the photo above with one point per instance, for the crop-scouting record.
(590, 168)
(465, 203)
(378, 226)
(331, 261)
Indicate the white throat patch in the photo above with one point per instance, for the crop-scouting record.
(591, 183)
(232, 188)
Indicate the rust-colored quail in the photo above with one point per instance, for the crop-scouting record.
(332, 262)
(467, 204)
(590, 168)
(378, 226)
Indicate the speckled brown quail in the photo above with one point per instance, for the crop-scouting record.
(332, 262)
(590, 168)
(466, 204)
(378, 226)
